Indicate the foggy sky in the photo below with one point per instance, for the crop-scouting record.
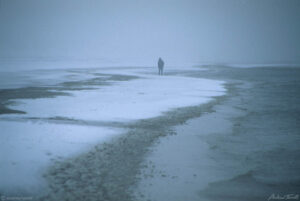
(253, 31)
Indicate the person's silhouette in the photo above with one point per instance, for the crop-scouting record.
(160, 65)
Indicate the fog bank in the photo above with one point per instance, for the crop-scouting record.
(138, 31)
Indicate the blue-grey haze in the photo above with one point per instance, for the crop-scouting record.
(139, 31)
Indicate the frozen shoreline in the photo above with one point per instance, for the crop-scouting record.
(241, 139)
(245, 148)
(48, 131)
(180, 166)
(110, 171)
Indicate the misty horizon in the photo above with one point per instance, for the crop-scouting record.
(138, 32)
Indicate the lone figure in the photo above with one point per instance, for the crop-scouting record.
(160, 65)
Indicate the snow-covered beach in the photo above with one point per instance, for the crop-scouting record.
(206, 133)
(63, 113)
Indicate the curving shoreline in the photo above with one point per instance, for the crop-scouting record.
(245, 149)
(109, 171)
(52, 133)
(251, 157)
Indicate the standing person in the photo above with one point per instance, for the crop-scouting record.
(160, 65)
